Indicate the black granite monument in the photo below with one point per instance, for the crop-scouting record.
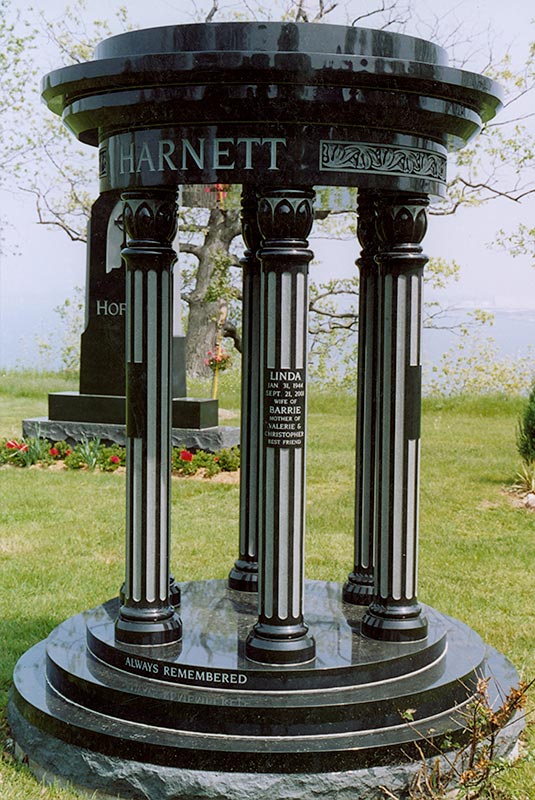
(267, 683)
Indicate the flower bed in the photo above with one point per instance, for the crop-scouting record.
(91, 454)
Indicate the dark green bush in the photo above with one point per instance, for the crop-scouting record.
(525, 434)
(229, 459)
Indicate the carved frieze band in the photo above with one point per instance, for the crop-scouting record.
(382, 158)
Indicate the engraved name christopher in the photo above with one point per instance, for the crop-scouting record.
(202, 153)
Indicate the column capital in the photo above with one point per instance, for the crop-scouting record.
(401, 220)
(286, 215)
(150, 217)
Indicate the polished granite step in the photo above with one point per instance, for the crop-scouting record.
(201, 705)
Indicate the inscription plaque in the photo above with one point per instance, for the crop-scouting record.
(284, 408)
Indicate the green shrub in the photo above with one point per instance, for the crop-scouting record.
(525, 478)
(74, 460)
(525, 434)
(85, 454)
(111, 458)
(60, 450)
(208, 462)
(185, 462)
(229, 459)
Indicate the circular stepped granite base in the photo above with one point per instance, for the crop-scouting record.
(211, 721)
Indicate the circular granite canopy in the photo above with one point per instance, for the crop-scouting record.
(271, 103)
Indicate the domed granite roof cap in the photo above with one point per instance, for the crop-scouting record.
(272, 37)
(309, 104)
(300, 54)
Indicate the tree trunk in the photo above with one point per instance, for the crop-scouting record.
(207, 298)
(201, 338)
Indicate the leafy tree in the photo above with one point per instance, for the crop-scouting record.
(16, 48)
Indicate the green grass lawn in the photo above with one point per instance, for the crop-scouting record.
(62, 533)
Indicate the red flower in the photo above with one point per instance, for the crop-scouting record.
(68, 452)
(115, 460)
(54, 451)
(14, 445)
(185, 455)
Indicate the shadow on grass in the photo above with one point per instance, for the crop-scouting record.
(18, 636)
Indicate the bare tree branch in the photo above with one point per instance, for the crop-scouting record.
(391, 19)
(213, 11)
(190, 249)
(322, 11)
(53, 220)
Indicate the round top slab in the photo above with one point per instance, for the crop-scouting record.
(272, 37)
(274, 102)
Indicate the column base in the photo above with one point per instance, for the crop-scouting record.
(394, 623)
(147, 627)
(174, 592)
(270, 644)
(243, 577)
(358, 589)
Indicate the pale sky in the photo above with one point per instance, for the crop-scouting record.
(48, 266)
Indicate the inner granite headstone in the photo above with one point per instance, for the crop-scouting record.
(102, 353)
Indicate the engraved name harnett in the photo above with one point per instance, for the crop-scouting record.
(221, 153)
(353, 157)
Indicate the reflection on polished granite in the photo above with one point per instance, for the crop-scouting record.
(216, 621)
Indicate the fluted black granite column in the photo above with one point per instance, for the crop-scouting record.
(280, 636)
(244, 574)
(394, 614)
(359, 586)
(146, 616)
